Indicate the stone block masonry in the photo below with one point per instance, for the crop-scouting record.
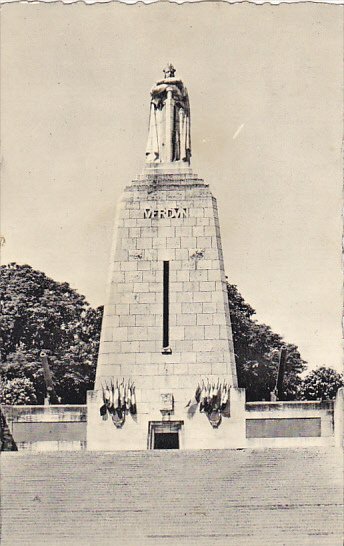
(166, 218)
(198, 313)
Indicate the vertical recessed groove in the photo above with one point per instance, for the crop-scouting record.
(166, 334)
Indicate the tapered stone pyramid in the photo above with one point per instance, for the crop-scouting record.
(166, 326)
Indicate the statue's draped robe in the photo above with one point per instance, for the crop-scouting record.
(152, 150)
(183, 146)
(181, 139)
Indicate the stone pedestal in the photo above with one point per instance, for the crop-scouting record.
(166, 216)
(339, 418)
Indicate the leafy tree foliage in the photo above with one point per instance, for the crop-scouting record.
(18, 391)
(38, 313)
(256, 349)
(321, 384)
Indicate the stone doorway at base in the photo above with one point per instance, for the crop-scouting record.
(164, 434)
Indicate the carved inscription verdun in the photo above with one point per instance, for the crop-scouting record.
(166, 213)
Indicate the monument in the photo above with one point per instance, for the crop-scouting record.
(166, 373)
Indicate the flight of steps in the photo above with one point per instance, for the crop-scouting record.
(171, 498)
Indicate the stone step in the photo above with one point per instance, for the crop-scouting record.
(239, 497)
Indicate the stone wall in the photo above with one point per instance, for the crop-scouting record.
(272, 424)
(47, 428)
(254, 424)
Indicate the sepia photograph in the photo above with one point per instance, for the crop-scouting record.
(171, 359)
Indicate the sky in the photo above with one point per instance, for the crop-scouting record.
(265, 87)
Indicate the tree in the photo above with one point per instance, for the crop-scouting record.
(321, 384)
(18, 391)
(256, 349)
(39, 313)
(36, 311)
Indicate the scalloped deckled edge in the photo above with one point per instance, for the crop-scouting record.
(148, 2)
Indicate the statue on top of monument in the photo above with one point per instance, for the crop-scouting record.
(169, 138)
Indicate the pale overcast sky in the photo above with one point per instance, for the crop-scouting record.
(265, 86)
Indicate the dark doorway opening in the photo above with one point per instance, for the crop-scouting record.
(164, 434)
(166, 440)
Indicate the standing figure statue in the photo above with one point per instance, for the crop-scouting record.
(169, 138)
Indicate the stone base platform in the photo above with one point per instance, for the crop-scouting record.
(193, 428)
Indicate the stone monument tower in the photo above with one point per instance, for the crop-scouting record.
(166, 374)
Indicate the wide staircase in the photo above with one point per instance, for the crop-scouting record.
(172, 498)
